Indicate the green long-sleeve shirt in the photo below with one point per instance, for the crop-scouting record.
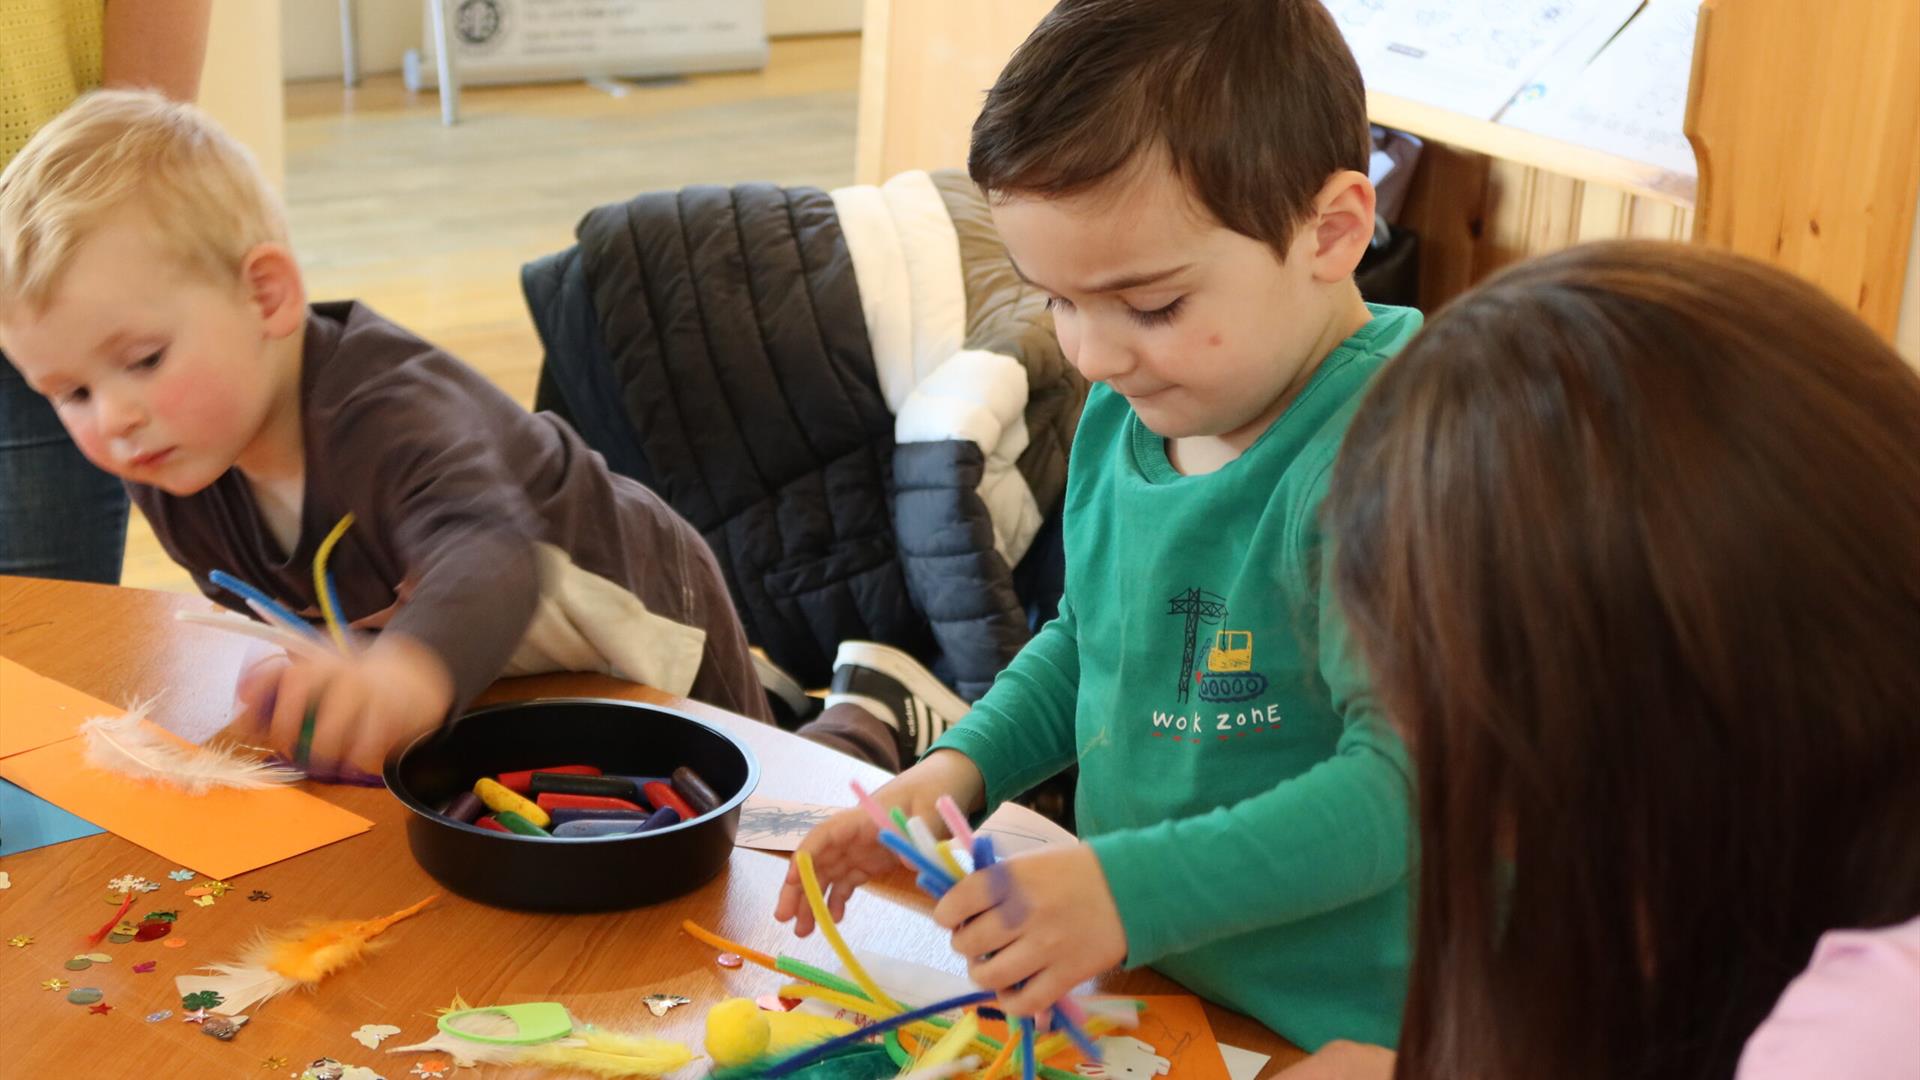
(1248, 802)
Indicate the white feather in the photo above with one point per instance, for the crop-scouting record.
(240, 986)
(123, 744)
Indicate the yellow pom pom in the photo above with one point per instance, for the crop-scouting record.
(737, 1032)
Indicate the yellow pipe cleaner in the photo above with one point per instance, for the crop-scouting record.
(334, 626)
(818, 902)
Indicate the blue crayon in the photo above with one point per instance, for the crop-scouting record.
(660, 819)
(590, 827)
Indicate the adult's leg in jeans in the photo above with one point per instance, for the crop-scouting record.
(59, 516)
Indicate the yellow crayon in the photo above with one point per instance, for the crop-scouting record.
(503, 800)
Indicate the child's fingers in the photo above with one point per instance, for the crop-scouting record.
(965, 900)
(1038, 994)
(298, 686)
(341, 710)
(786, 906)
(1016, 963)
(988, 933)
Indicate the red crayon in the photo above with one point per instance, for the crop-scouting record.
(660, 794)
(554, 800)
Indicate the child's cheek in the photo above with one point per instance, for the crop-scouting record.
(193, 404)
(86, 435)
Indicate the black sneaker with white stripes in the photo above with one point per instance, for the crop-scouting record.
(896, 688)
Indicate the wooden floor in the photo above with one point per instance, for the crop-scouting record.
(430, 224)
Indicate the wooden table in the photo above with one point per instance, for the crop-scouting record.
(119, 644)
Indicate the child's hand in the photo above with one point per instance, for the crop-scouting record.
(846, 849)
(1046, 919)
(364, 705)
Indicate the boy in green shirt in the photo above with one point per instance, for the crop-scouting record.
(1187, 183)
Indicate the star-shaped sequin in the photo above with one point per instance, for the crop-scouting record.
(197, 1016)
(20, 941)
(203, 901)
(101, 1009)
(181, 875)
(55, 985)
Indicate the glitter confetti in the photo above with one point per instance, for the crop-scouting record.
(101, 1009)
(79, 963)
(85, 995)
(204, 901)
(55, 985)
(273, 1064)
(259, 894)
(143, 967)
(197, 1016)
(20, 941)
(161, 916)
(198, 891)
(660, 1004)
(429, 1070)
(217, 888)
(181, 875)
(370, 1035)
(5, 881)
(127, 883)
(222, 1027)
(98, 957)
(156, 1017)
(175, 943)
(322, 1069)
(201, 999)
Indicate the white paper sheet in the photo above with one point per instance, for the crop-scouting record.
(1631, 100)
(1470, 56)
(1243, 1064)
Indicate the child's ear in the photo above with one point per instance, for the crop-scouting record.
(271, 277)
(1342, 224)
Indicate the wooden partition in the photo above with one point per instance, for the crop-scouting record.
(1805, 117)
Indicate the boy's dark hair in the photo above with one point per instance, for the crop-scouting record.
(1255, 102)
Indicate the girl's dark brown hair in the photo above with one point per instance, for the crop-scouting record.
(1256, 104)
(1630, 537)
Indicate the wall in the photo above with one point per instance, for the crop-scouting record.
(386, 29)
(241, 85)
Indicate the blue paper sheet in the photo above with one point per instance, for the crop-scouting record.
(28, 821)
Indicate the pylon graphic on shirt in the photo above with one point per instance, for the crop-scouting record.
(1199, 606)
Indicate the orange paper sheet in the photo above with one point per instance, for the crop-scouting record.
(219, 834)
(1175, 1025)
(36, 710)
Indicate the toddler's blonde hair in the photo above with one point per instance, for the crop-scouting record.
(204, 198)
